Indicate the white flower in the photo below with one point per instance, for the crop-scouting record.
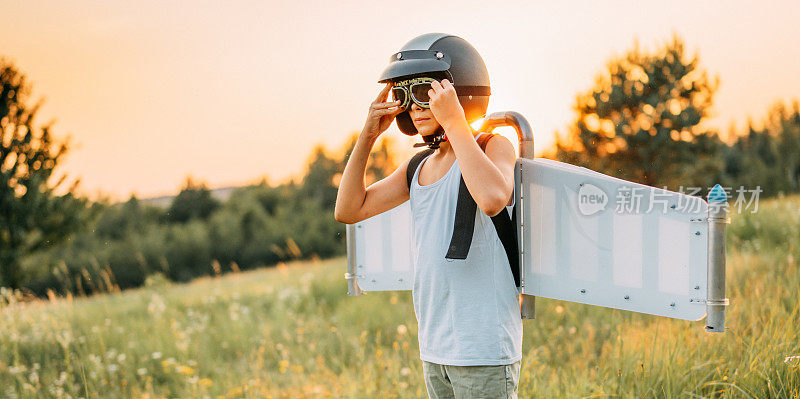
(62, 378)
(141, 371)
(156, 305)
(156, 355)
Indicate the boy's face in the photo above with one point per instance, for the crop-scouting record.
(416, 90)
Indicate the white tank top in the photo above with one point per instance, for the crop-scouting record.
(467, 309)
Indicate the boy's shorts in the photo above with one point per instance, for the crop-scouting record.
(445, 381)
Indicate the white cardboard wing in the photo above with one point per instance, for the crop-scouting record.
(383, 250)
(585, 237)
(595, 239)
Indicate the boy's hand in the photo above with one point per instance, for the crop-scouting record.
(381, 114)
(444, 104)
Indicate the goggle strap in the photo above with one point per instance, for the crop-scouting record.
(473, 90)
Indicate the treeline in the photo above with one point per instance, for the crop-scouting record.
(768, 156)
(125, 243)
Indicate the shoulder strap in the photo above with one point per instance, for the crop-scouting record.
(464, 224)
(414, 163)
(483, 140)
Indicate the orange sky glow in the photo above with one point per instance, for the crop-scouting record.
(152, 92)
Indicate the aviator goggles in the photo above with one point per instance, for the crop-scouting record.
(415, 89)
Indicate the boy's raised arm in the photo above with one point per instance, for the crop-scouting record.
(353, 202)
(489, 176)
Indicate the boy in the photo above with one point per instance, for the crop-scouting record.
(470, 329)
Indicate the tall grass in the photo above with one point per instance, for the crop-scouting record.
(292, 331)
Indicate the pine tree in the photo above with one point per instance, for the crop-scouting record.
(32, 216)
(642, 121)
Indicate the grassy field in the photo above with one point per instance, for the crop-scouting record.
(292, 332)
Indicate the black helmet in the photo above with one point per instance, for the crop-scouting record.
(445, 56)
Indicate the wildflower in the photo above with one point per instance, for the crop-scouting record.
(205, 382)
(156, 305)
(402, 329)
(559, 309)
(156, 355)
(62, 378)
(141, 371)
(185, 370)
(405, 371)
(34, 377)
(283, 364)
(168, 363)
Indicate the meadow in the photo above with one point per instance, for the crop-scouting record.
(291, 331)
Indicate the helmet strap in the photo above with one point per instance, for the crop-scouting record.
(433, 140)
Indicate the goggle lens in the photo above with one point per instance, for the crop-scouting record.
(399, 94)
(419, 91)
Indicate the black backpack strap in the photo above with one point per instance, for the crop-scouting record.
(464, 225)
(414, 163)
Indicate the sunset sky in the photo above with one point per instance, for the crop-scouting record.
(229, 92)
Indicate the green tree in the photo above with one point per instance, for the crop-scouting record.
(769, 157)
(317, 184)
(642, 121)
(32, 216)
(193, 202)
